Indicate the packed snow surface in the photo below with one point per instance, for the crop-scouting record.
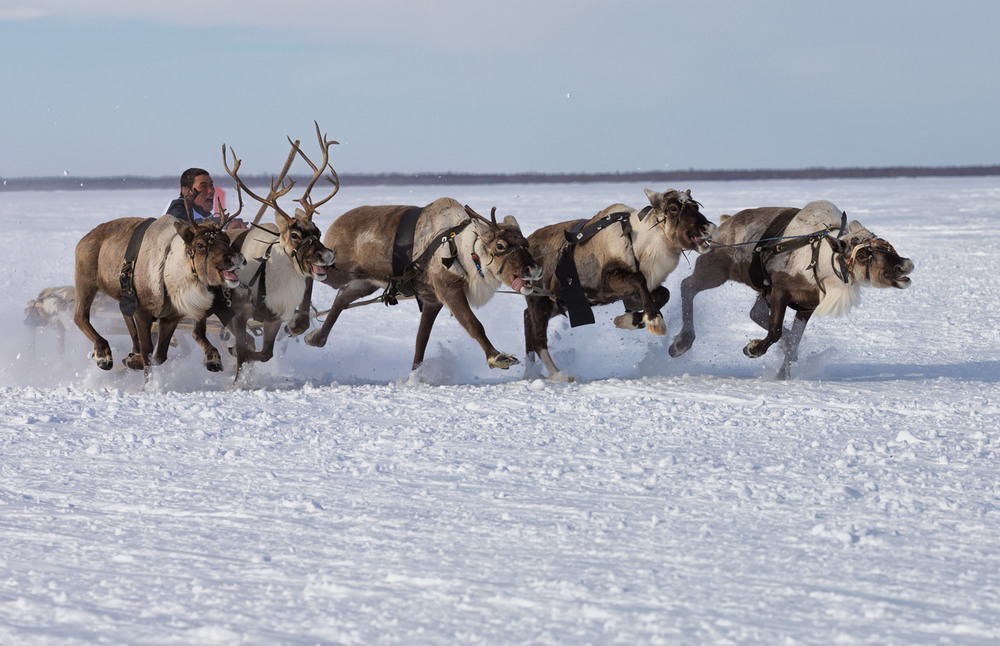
(334, 497)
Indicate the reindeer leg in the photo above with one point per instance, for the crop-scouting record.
(84, 301)
(760, 313)
(427, 317)
(243, 343)
(623, 281)
(454, 298)
(213, 360)
(710, 271)
(345, 296)
(142, 342)
(300, 322)
(166, 333)
(134, 358)
(790, 343)
(537, 315)
(779, 304)
(633, 318)
(271, 329)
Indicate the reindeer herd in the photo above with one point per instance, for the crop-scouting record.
(445, 254)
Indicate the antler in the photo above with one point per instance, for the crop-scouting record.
(308, 205)
(225, 218)
(272, 197)
(493, 215)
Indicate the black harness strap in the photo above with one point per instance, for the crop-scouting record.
(128, 301)
(405, 268)
(773, 242)
(767, 247)
(571, 294)
(259, 276)
(581, 231)
(402, 249)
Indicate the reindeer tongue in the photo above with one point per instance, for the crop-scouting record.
(319, 270)
(229, 275)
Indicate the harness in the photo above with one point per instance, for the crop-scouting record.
(773, 242)
(128, 301)
(571, 294)
(405, 268)
(259, 276)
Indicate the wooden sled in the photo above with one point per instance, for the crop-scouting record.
(55, 306)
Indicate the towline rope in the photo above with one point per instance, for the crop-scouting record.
(823, 232)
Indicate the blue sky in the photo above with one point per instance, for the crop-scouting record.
(106, 87)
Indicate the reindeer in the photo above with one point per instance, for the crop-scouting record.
(164, 270)
(808, 259)
(620, 254)
(443, 255)
(282, 258)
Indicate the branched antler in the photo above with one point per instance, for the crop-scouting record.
(272, 197)
(308, 205)
(493, 215)
(226, 218)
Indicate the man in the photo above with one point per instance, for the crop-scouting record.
(198, 187)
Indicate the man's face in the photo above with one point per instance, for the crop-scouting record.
(204, 192)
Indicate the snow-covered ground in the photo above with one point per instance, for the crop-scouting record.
(338, 499)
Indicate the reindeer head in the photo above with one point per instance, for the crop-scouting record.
(873, 261)
(507, 251)
(213, 261)
(300, 239)
(677, 212)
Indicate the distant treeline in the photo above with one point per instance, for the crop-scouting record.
(451, 179)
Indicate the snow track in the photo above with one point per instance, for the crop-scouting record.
(335, 498)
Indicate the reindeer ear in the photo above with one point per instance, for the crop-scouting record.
(185, 230)
(510, 221)
(655, 199)
(839, 245)
(283, 220)
(857, 227)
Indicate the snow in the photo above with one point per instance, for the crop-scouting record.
(336, 498)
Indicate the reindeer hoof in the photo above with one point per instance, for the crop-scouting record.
(755, 349)
(104, 362)
(503, 361)
(298, 325)
(213, 361)
(656, 325)
(316, 339)
(133, 361)
(682, 343)
(630, 321)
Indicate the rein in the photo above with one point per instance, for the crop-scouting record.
(771, 244)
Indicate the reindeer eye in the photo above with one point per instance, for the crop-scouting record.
(501, 245)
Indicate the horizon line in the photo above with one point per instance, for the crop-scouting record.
(81, 182)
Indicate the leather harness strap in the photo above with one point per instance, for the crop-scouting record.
(773, 241)
(402, 248)
(128, 301)
(571, 295)
(769, 245)
(405, 268)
